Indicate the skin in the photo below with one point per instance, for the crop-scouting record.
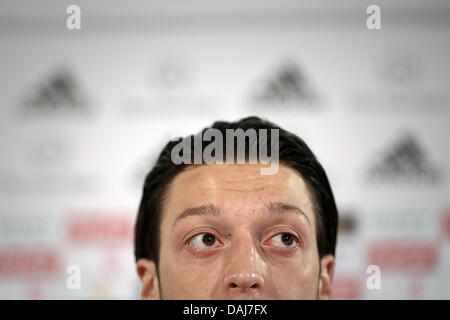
(228, 232)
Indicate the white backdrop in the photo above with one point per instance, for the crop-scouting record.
(85, 112)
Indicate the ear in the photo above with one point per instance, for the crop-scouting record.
(146, 269)
(326, 276)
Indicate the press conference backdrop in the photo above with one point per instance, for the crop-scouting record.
(85, 112)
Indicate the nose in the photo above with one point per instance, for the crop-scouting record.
(246, 267)
(244, 281)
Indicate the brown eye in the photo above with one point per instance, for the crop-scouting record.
(208, 239)
(287, 238)
(204, 241)
(284, 240)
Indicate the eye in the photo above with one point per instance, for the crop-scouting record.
(204, 241)
(284, 240)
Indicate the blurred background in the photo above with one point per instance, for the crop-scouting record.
(84, 113)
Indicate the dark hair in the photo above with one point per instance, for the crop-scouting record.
(293, 152)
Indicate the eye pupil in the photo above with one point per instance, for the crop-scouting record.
(287, 238)
(208, 239)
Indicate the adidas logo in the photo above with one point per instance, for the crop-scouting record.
(58, 93)
(404, 162)
(287, 86)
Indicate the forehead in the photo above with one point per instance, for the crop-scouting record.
(234, 187)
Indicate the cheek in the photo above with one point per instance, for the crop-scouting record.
(296, 279)
(181, 278)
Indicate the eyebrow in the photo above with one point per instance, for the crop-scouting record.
(280, 207)
(205, 210)
(212, 210)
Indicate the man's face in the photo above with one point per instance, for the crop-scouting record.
(228, 232)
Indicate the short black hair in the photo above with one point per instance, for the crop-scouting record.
(293, 152)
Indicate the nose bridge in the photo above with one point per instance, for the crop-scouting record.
(246, 267)
(243, 253)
